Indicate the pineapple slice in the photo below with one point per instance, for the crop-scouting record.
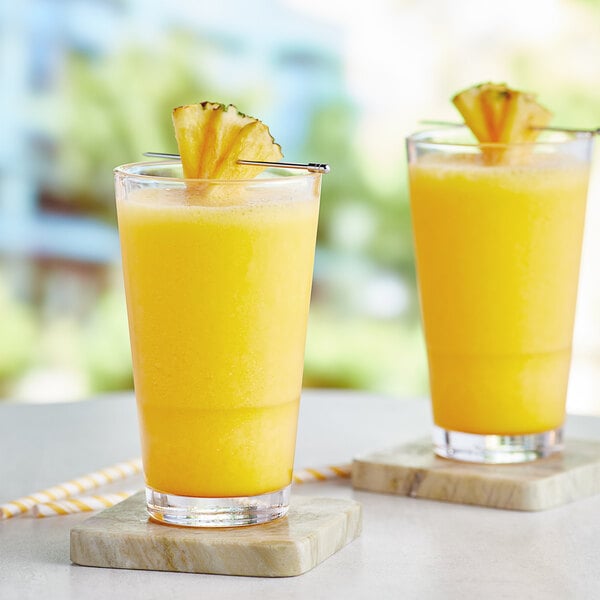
(468, 104)
(523, 117)
(493, 101)
(496, 113)
(212, 137)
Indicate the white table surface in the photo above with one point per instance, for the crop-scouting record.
(409, 548)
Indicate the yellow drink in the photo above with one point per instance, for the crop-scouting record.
(498, 251)
(218, 284)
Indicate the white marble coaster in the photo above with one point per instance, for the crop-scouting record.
(123, 537)
(413, 470)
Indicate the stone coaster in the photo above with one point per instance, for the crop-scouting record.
(413, 470)
(123, 537)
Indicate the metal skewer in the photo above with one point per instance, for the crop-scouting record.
(312, 167)
(570, 130)
(560, 129)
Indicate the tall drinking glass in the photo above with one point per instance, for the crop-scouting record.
(498, 231)
(218, 278)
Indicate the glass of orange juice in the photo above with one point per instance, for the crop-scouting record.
(218, 278)
(498, 231)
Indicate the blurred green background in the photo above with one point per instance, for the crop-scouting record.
(90, 84)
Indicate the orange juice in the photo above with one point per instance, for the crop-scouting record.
(218, 297)
(498, 251)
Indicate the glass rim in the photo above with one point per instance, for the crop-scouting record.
(128, 170)
(434, 137)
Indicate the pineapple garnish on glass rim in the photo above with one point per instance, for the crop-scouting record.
(212, 137)
(497, 114)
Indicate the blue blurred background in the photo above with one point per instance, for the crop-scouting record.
(89, 84)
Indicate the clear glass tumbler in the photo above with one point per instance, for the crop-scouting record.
(498, 231)
(218, 278)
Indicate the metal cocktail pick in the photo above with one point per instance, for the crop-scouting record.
(312, 167)
(561, 129)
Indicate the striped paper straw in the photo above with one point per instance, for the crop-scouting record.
(78, 505)
(98, 502)
(322, 473)
(71, 488)
(58, 500)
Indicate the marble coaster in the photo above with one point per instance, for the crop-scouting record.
(123, 537)
(413, 470)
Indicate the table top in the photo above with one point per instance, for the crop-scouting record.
(417, 548)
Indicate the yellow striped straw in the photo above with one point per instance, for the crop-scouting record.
(59, 500)
(78, 505)
(71, 488)
(322, 473)
(98, 502)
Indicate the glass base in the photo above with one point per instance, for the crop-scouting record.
(496, 449)
(217, 512)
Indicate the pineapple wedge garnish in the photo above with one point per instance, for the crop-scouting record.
(496, 113)
(212, 137)
(470, 107)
